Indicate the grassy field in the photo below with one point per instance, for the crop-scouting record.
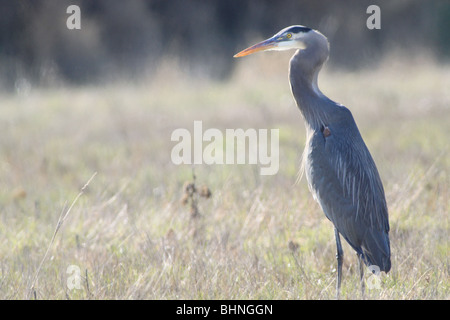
(257, 237)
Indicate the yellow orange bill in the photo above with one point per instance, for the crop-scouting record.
(261, 46)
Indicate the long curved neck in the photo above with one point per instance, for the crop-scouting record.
(303, 73)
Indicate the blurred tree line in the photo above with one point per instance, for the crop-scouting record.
(126, 37)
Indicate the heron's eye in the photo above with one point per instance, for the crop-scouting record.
(289, 35)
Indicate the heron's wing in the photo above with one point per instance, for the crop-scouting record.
(345, 181)
(356, 173)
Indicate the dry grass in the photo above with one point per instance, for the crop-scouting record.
(257, 237)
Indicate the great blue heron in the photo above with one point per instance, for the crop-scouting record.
(341, 173)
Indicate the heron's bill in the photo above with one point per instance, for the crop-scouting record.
(261, 46)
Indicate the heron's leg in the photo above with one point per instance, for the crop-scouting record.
(361, 274)
(340, 258)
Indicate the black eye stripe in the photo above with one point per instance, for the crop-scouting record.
(299, 29)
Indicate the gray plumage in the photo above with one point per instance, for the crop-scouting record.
(341, 173)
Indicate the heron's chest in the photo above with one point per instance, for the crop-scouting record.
(316, 162)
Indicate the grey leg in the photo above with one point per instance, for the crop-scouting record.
(361, 274)
(340, 258)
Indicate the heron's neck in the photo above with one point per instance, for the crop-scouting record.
(303, 74)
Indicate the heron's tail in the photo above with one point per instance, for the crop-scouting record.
(376, 250)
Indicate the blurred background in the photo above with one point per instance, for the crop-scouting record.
(130, 38)
(106, 99)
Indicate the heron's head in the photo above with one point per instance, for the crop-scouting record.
(293, 37)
